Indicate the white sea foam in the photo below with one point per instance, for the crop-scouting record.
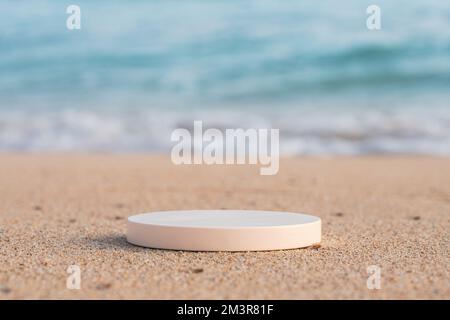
(345, 132)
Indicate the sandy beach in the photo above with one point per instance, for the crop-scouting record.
(61, 210)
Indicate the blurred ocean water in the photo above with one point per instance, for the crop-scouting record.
(139, 69)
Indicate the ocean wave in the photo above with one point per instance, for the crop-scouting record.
(222, 53)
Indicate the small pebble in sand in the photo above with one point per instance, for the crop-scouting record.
(416, 218)
(118, 218)
(72, 220)
(4, 289)
(197, 270)
(339, 214)
(103, 286)
(37, 208)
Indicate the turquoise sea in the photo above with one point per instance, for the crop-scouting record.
(138, 69)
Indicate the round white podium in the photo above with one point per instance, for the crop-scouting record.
(224, 230)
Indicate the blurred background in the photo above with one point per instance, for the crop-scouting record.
(139, 69)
